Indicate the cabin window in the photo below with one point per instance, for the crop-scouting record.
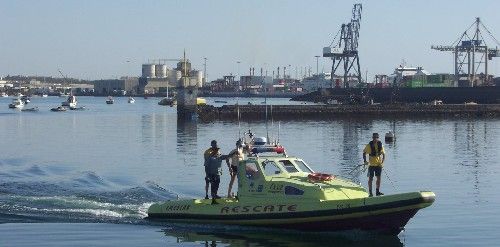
(251, 170)
(289, 167)
(270, 168)
(302, 166)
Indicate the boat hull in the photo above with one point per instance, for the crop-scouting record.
(386, 214)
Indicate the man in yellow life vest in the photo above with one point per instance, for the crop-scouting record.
(376, 153)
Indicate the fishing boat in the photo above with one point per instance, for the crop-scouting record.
(131, 100)
(16, 103)
(280, 191)
(110, 100)
(70, 102)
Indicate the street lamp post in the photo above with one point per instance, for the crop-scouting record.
(317, 65)
(205, 71)
(239, 80)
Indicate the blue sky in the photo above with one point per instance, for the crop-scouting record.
(94, 39)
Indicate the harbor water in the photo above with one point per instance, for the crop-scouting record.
(86, 178)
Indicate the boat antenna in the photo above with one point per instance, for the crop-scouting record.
(279, 130)
(239, 122)
(265, 102)
(238, 109)
(272, 124)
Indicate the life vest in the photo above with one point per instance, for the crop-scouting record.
(372, 148)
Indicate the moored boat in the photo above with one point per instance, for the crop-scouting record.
(16, 103)
(70, 102)
(282, 191)
(110, 100)
(167, 101)
(58, 109)
(131, 100)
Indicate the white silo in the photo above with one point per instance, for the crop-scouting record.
(148, 71)
(161, 70)
(199, 78)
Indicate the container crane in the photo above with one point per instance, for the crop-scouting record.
(472, 53)
(344, 50)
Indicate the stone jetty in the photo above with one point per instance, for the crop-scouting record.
(303, 112)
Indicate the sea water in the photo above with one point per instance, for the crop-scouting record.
(86, 178)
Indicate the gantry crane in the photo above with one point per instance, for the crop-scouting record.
(472, 53)
(344, 50)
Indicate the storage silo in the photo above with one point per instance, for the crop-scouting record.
(161, 70)
(148, 71)
(199, 78)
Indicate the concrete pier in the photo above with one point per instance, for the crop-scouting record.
(303, 112)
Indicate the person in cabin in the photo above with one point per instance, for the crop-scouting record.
(213, 161)
(376, 153)
(236, 155)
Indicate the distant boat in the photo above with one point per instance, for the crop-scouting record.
(81, 108)
(131, 100)
(33, 109)
(16, 103)
(167, 101)
(59, 108)
(201, 101)
(45, 95)
(25, 99)
(70, 102)
(4, 95)
(110, 100)
(220, 101)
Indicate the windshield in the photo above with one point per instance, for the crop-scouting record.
(289, 167)
(302, 166)
(270, 168)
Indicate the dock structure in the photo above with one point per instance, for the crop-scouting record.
(304, 112)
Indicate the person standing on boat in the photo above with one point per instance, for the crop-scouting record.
(213, 161)
(236, 155)
(376, 153)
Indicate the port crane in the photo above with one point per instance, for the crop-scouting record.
(344, 48)
(471, 53)
(65, 82)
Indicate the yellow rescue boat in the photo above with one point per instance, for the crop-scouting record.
(282, 191)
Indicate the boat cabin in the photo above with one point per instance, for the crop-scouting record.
(284, 177)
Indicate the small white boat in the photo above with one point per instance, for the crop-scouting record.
(131, 100)
(16, 103)
(45, 95)
(4, 95)
(70, 102)
(110, 100)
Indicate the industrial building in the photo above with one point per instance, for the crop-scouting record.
(124, 86)
(158, 78)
